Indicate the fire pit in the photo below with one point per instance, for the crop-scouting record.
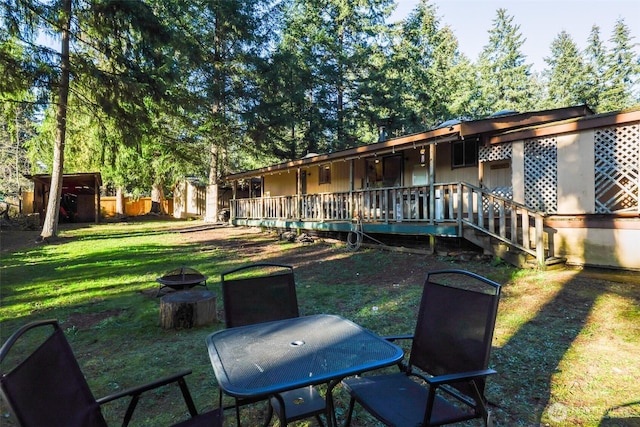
(182, 278)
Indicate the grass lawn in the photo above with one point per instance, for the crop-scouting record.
(566, 343)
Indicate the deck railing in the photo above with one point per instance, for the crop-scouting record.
(465, 204)
(503, 219)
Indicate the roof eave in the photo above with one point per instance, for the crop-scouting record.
(423, 138)
(521, 120)
(568, 126)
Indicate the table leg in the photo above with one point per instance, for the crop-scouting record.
(331, 410)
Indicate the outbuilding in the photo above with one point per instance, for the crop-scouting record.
(80, 196)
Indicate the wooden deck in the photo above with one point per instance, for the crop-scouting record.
(446, 209)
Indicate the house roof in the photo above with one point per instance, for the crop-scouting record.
(446, 132)
(576, 124)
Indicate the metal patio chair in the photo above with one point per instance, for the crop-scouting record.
(443, 380)
(264, 292)
(47, 388)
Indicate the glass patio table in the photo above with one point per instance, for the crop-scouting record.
(268, 358)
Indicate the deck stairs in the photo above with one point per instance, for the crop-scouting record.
(505, 229)
(509, 253)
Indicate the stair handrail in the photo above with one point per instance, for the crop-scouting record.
(538, 253)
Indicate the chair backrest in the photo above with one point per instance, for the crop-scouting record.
(259, 293)
(455, 324)
(47, 388)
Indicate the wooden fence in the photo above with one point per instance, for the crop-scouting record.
(132, 207)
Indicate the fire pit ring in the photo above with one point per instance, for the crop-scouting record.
(181, 278)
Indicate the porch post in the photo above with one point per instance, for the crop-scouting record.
(539, 222)
(350, 213)
(232, 203)
(262, 199)
(432, 175)
(298, 204)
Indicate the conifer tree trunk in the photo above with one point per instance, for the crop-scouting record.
(120, 209)
(157, 199)
(211, 208)
(50, 226)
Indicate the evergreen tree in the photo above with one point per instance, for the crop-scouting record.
(504, 76)
(17, 127)
(333, 42)
(596, 67)
(116, 57)
(282, 124)
(230, 37)
(623, 71)
(566, 75)
(431, 70)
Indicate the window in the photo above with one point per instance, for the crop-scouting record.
(324, 174)
(392, 171)
(385, 172)
(374, 173)
(464, 153)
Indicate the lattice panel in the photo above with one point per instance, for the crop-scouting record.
(541, 174)
(617, 160)
(494, 152)
(506, 192)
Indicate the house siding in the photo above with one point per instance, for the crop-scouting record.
(445, 173)
(613, 245)
(280, 184)
(576, 183)
(608, 242)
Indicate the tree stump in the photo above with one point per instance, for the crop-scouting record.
(186, 309)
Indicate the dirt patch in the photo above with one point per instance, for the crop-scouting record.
(13, 238)
(17, 240)
(85, 321)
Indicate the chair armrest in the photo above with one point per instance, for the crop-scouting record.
(457, 377)
(402, 365)
(133, 391)
(392, 338)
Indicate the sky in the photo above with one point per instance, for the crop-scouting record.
(540, 22)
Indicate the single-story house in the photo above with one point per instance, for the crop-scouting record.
(541, 186)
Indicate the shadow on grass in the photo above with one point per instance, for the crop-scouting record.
(114, 281)
(536, 353)
(612, 419)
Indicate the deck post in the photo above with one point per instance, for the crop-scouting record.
(480, 208)
(233, 207)
(350, 205)
(432, 175)
(298, 203)
(460, 208)
(540, 241)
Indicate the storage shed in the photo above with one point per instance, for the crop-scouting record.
(80, 196)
